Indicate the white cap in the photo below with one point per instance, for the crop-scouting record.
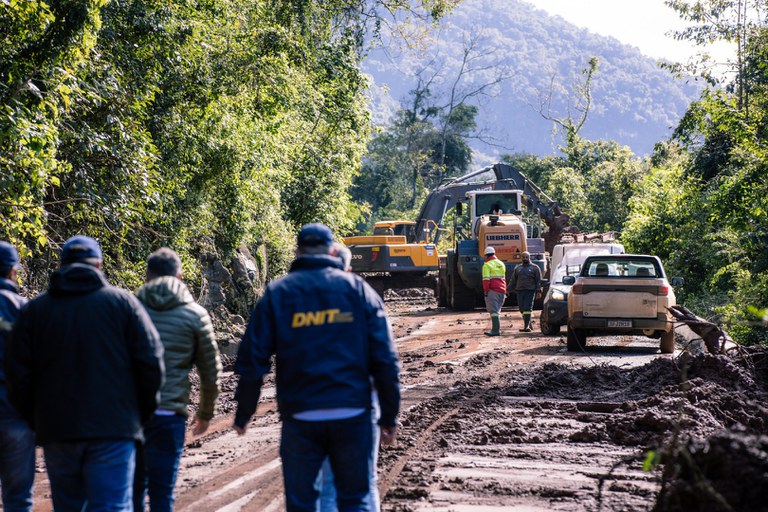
(489, 250)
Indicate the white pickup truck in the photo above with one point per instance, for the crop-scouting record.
(621, 294)
(566, 260)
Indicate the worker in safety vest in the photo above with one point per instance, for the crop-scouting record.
(494, 287)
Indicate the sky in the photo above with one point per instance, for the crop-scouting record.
(640, 23)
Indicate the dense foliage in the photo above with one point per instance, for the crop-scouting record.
(198, 125)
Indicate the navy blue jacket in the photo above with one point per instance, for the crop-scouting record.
(10, 304)
(330, 335)
(84, 361)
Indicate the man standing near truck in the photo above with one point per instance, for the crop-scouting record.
(526, 282)
(494, 288)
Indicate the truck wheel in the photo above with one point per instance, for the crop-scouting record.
(576, 340)
(667, 345)
(461, 296)
(549, 329)
(442, 292)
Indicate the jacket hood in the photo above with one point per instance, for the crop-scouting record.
(316, 261)
(76, 279)
(163, 293)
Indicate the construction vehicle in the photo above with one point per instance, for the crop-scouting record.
(510, 215)
(566, 260)
(392, 258)
(401, 254)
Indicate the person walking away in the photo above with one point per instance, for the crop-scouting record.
(326, 502)
(17, 441)
(186, 332)
(494, 288)
(526, 282)
(84, 365)
(330, 336)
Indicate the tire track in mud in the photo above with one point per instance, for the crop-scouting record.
(392, 474)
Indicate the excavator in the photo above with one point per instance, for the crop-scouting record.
(403, 254)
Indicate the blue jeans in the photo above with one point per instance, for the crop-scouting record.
(348, 446)
(94, 476)
(17, 465)
(327, 500)
(157, 462)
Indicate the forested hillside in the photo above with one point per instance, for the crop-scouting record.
(530, 61)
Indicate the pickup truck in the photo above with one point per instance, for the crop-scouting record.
(616, 294)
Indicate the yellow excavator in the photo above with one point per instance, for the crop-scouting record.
(403, 254)
(392, 257)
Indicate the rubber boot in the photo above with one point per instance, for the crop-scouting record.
(496, 326)
(526, 324)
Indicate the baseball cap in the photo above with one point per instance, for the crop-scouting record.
(79, 248)
(314, 234)
(490, 250)
(9, 257)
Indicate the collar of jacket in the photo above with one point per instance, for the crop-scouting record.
(7, 284)
(491, 257)
(315, 261)
(76, 279)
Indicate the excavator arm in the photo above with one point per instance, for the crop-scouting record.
(507, 177)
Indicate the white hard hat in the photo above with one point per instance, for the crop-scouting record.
(490, 250)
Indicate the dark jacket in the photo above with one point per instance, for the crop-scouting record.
(187, 334)
(10, 305)
(525, 277)
(330, 335)
(84, 361)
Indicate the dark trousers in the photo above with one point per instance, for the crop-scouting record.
(157, 462)
(17, 465)
(347, 444)
(97, 475)
(525, 300)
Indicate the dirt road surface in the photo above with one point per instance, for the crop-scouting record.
(508, 423)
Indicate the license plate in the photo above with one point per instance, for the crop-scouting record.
(619, 323)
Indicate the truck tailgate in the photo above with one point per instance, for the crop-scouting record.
(620, 302)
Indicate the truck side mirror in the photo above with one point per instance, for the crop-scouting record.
(569, 280)
(677, 281)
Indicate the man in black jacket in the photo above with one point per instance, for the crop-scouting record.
(84, 365)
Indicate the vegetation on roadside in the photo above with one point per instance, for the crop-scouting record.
(198, 126)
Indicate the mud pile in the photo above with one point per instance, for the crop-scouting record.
(727, 471)
(705, 415)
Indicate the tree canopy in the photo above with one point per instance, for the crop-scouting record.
(195, 125)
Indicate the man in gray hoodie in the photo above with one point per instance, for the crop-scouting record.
(187, 335)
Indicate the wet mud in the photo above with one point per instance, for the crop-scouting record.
(492, 424)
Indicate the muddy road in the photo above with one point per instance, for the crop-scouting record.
(509, 423)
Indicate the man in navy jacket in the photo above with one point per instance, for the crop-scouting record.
(330, 337)
(17, 442)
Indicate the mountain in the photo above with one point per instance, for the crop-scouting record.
(539, 56)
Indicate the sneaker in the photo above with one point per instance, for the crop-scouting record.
(491, 333)
(526, 329)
